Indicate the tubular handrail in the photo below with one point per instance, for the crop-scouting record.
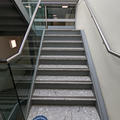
(100, 31)
(25, 37)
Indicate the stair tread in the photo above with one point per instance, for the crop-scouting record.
(55, 78)
(64, 78)
(62, 82)
(63, 66)
(63, 92)
(58, 41)
(70, 98)
(63, 49)
(59, 57)
(63, 35)
(61, 30)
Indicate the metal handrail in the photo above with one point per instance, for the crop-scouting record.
(25, 37)
(101, 32)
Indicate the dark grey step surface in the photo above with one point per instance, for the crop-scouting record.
(63, 92)
(63, 38)
(58, 67)
(62, 57)
(59, 41)
(62, 100)
(75, 32)
(51, 84)
(62, 72)
(62, 51)
(62, 45)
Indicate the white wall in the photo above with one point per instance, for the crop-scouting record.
(107, 66)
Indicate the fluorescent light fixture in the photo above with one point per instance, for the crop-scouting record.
(13, 44)
(54, 15)
(64, 6)
(39, 7)
(28, 6)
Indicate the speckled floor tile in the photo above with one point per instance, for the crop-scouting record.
(62, 92)
(64, 78)
(64, 112)
(63, 66)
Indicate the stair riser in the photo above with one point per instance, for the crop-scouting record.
(63, 62)
(62, 45)
(64, 102)
(62, 86)
(68, 32)
(63, 72)
(63, 38)
(73, 53)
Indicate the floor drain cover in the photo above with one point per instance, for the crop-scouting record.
(40, 117)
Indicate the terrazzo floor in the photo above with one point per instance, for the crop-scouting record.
(64, 78)
(62, 92)
(64, 112)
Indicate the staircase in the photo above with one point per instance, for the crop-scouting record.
(63, 87)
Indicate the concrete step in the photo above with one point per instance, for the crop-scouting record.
(64, 100)
(62, 82)
(62, 51)
(63, 71)
(64, 112)
(63, 92)
(64, 78)
(62, 44)
(62, 31)
(54, 78)
(62, 66)
(63, 37)
(63, 59)
(59, 41)
(54, 82)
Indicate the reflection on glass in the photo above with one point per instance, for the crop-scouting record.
(60, 23)
(8, 97)
(23, 66)
(57, 12)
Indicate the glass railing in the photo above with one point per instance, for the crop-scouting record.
(49, 16)
(8, 94)
(24, 66)
(16, 76)
(30, 6)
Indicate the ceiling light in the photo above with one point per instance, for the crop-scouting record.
(65, 6)
(13, 44)
(54, 15)
(27, 6)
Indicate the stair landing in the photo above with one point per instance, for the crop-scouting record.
(64, 112)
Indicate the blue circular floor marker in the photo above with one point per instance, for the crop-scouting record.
(40, 117)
